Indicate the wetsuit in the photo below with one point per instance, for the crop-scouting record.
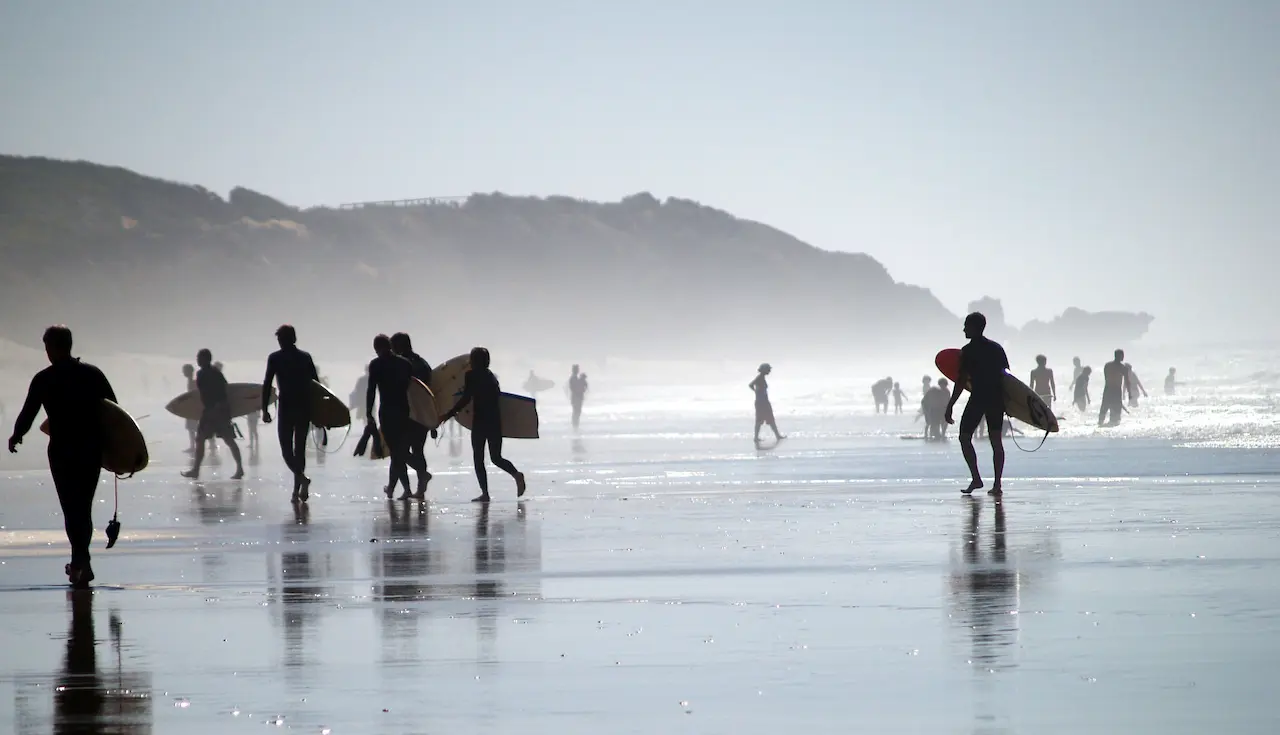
(390, 374)
(71, 393)
(418, 433)
(577, 393)
(984, 363)
(292, 370)
(481, 389)
(215, 420)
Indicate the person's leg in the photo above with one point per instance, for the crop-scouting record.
(478, 441)
(229, 437)
(969, 421)
(995, 431)
(299, 429)
(194, 472)
(284, 431)
(495, 454)
(759, 424)
(76, 481)
(418, 458)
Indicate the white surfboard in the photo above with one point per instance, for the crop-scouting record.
(245, 398)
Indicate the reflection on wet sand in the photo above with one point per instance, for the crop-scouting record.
(86, 698)
(302, 586)
(985, 591)
(217, 505)
(401, 565)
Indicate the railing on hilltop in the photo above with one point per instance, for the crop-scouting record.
(425, 202)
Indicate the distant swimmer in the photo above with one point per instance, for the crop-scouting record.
(533, 385)
(71, 393)
(355, 401)
(1115, 380)
(1171, 382)
(898, 398)
(1076, 370)
(389, 376)
(1042, 381)
(925, 383)
(189, 372)
(764, 408)
(982, 365)
(880, 392)
(215, 420)
(421, 369)
(1082, 398)
(577, 388)
(481, 389)
(292, 370)
(1134, 385)
(934, 408)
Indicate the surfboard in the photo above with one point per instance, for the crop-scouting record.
(327, 410)
(519, 416)
(1020, 402)
(537, 385)
(422, 404)
(126, 449)
(245, 398)
(446, 382)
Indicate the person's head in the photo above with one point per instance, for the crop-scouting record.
(896, 386)
(188, 370)
(1087, 371)
(401, 343)
(480, 358)
(1041, 360)
(1173, 371)
(974, 325)
(1075, 361)
(382, 345)
(57, 342)
(287, 336)
(204, 358)
(575, 369)
(1119, 355)
(942, 383)
(765, 368)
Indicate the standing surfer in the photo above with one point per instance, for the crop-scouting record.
(403, 346)
(292, 370)
(982, 366)
(71, 393)
(481, 388)
(1171, 382)
(215, 418)
(1134, 385)
(577, 388)
(1082, 389)
(1115, 380)
(389, 374)
(1042, 381)
(764, 408)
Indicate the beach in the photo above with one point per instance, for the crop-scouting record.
(664, 575)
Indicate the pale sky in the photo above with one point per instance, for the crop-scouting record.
(1108, 154)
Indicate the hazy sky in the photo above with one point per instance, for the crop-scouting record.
(1107, 154)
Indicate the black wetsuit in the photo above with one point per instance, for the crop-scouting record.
(984, 363)
(481, 389)
(292, 370)
(417, 432)
(390, 374)
(215, 420)
(71, 393)
(577, 394)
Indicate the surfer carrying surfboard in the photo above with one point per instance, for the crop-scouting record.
(389, 374)
(71, 393)
(982, 367)
(293, 371)
(480, 388)
(421, 369)
(215, 421)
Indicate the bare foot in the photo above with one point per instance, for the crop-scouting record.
(304, 490)
(995, 491)
(239, 475)
(481, 499)
(520, 486)
(191, 474)
(975, 485)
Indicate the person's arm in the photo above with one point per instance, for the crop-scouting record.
(463, 400)
(107, 391)
(1053, 386)
(754, 384)
(266, 389)
(35, 399)
(369, 394)
(961, 379)
(1141, 387)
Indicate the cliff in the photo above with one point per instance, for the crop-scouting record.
(137, 264)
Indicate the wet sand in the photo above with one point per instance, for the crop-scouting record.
(661, 585)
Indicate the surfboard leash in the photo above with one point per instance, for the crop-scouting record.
(1043, 439)
(312, 438)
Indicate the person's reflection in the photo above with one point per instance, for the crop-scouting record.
(85, 701)
(490, 557)
(579, 450)
(299, 588)
(403, 563)
(455, 451)
(213, 507)
(986, 587)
